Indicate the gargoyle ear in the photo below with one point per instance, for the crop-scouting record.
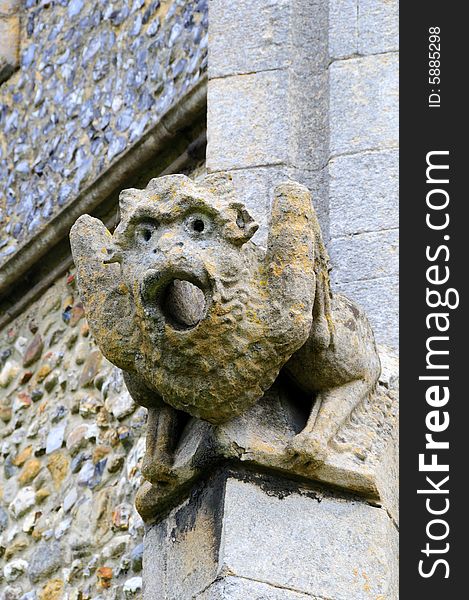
(221, 183)
(127, 201)
(242, 227)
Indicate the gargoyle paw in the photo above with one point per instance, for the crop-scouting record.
(158, 472)
(309, 450)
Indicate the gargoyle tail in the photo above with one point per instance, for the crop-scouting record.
(290, 261)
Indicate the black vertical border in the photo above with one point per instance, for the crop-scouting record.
(423, 129)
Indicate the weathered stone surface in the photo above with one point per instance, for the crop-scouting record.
(363, 192)
(231, 521)
(184, 548)
(364, 104)
(197, 240)
(258, 34)
(364, 256)
(359, 545)
(253, 98)
(256, 186)
(379, 298)
(343, 28)
(237, 588)
(378, 26)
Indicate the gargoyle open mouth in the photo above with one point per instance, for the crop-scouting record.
(181, 303)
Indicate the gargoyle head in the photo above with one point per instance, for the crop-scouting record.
(180, 297)
(178, 244)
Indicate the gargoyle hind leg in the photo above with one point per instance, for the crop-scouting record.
(162, 432)
(331, 409)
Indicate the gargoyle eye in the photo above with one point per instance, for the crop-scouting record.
(145, 231)
(198, 225)
(146, 234)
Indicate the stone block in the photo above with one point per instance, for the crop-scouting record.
(308, 121)
(181, 552)
(364, 104)
(363, 192)
(380, 299)
(257, 34)
(255, 187)
(236, 588)
(325, 547)
(245, 536)
(247, 121)
(378, 26)
(364, 256)
(343, 28)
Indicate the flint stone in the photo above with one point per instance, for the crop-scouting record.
(132, 586)
(90, 368)
(55, 438)
(8, 373)
(33, 351)
(22, 502)
(47, 558)
(121, 406)
(14, 569)
(136, 557)
(11, 592)
(3, 519)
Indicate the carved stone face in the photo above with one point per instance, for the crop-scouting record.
(180, 297)
(177, 249)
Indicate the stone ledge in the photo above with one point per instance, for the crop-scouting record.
(362, 457)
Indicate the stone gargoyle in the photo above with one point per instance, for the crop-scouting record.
(201, 319)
